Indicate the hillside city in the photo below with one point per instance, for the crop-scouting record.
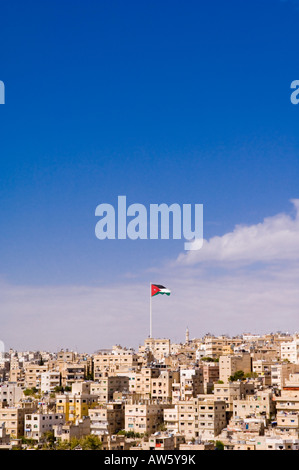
(209, 393)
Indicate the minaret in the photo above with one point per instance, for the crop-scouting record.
(187, 336)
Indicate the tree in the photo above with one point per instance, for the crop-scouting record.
(91, 442)
(48, 440)
(219, 445)
(162, 427)
(62, 445)
(239, 375)
(251, 375)
(30, 391)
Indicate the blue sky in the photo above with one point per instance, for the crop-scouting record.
(172, 101)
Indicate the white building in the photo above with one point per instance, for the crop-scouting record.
(290, 351)
(200, 352)
(36, 424)
(49, 380)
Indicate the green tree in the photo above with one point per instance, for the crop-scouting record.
(219, 445)
(91, 442)
(251, 375)
(239, 375)
(30, 391)
(48, 440)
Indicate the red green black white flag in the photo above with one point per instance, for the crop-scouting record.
(158, 289)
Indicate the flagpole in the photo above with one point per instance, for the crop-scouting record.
(150, 310)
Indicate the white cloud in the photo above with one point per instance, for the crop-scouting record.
(274, 239)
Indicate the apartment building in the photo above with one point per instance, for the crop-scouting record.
(171, 419)
(153, 382)
(16, 370)
(287, 406)
(144, 417)
(202, 417)
(214, 346)
(161, 386)
(262, 368)
(33, 374)
(37, 424)
(160, 348)
(106, 386)
(66, 356)
(76, 430)
(75, 405)
(118, 360)
(290, 351)
(13, 418)
(10, 394)
(190, 384)
(141, 382)
(107, 419)
(231, 391)
(210, 371)
(49, 380)
(280, 373)
(259, 405)
(71, 373)
(229, 365)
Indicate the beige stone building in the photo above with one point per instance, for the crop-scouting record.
(106, 386)
(107, 419)
(190, 384)
(161, 386)
(171, 419)
(210, 373)
(13, 418)
(213, 346)
(202, 417)
(160, 348)
(33, 374)
(229, 365)
(10, 394)
(144, 417)
(261, 404)
(153, 383)
(280, 373)
(287, 406)
(66, 356)
(118, 360)
(231, 391)
(77, 430)
(263, 369)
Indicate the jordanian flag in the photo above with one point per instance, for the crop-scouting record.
(157, 289)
